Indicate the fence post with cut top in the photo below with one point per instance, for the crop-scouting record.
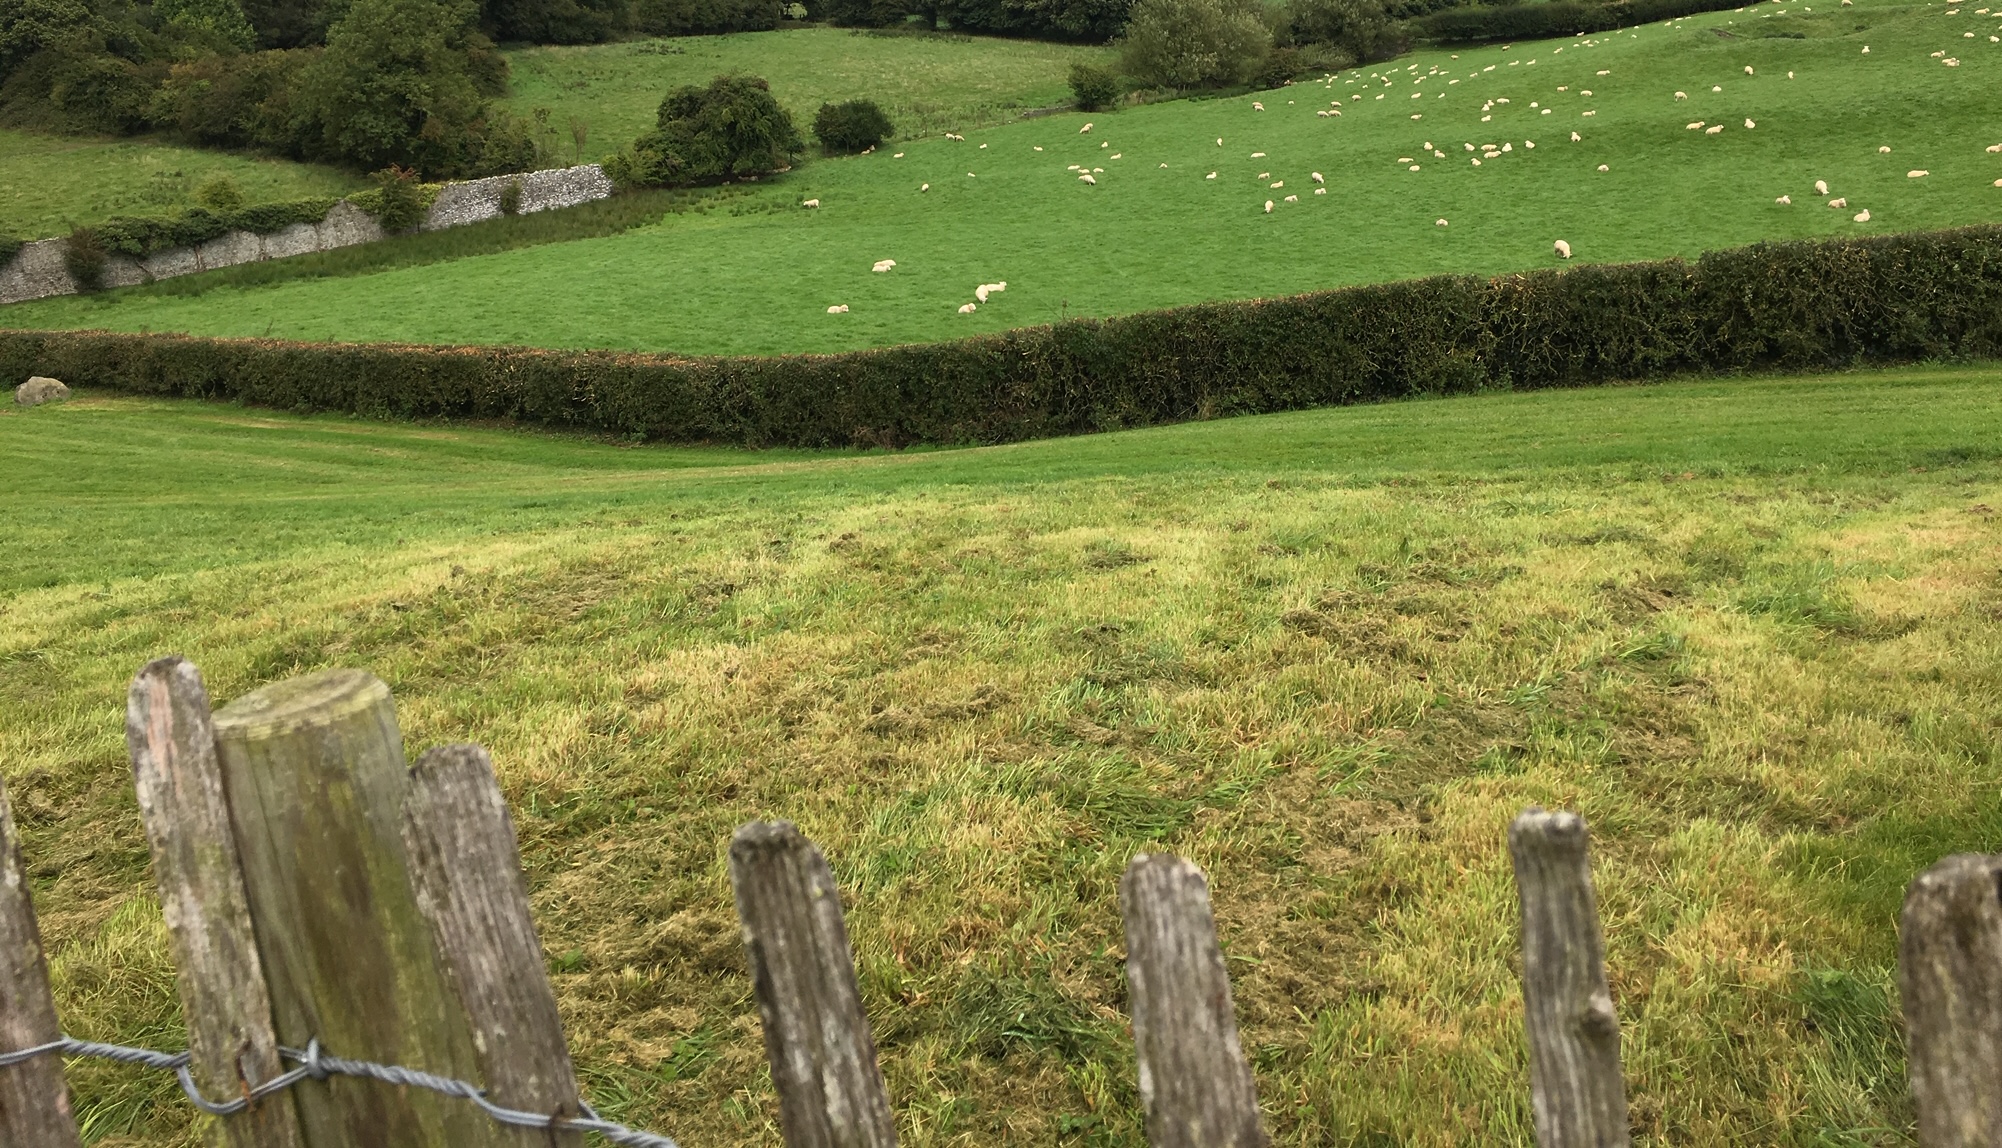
(817, 1038)
(466, 864)
(316, 777)
(1950, 984)
(34, 1100)
(227, 1006)
(1576, 1091)
(1195, 1086)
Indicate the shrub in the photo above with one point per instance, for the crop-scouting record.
(732, 129)
(1557, 18)
(1090, 20)
(554, 21)
(510, 199)
(219, 193)
(232, 101)
(1362, 29)
(1195, 43)
(703, 17)
(217, 23)
(850, 127)
(85, 259)
(1282, 63)
(1094, 88)
(1808, 305)
(31, 26)
(400, 200)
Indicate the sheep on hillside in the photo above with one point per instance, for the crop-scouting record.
(966, 308)
(811, 203)
(838, 309)
(1563, 249)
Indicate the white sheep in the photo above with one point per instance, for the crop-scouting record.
(966, 308)
(1821, 187)
(1318, 177)
(838, 309)
(1324, 191)
(883, 265)
(1682, 95)
(1575, 137)
(1603, 167)
(1258, 155)
(1863, 216)
(1563, 249)
(1256, 106)
(1713, 129)
(1785, 200)
(981, 291)
(1884, 151)
(1211, 175)
(1268, 207)
(1992, 148)
(1917, 173)
(1292, 199)
(1438, 223)
(811, 203)
(1748, 69)
(1084, 129)
(1749, 125)
(1531, 144)
(1839, 203)
(924, 187)
(1087, 177)
(1278, 183)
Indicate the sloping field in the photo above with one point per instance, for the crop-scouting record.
(756, 274)
(1749, 627)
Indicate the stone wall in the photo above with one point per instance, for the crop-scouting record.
(37, 271)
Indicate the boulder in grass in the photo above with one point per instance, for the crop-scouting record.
(39, 390)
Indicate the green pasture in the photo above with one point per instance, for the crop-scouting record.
(50, 184)
(1748, 627)
(757, 274)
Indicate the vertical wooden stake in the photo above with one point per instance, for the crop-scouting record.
(1950, 979)
(823, 1059)
(1576, 1090)
(34, 1101)
(315, 774)
(223, 996)
(466, 865)
(1194, 1083)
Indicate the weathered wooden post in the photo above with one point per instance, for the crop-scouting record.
(1194, 1083)
(34, 1100)
(823, 1058)
(1950, 981)
(221, 980)
(466, 866)
(1576, 1090)
(315, 775)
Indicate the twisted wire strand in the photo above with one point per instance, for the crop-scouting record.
(314, 1064)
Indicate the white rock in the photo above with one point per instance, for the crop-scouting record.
(40, 389)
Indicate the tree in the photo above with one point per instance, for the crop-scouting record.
(29, 26)
(1195, 43)
(1360, 28)
(731, 129)
(221, 21)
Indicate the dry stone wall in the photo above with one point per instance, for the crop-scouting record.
(37, 270)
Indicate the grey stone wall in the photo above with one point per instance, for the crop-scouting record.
(37, 271)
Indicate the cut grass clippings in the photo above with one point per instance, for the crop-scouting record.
(1747, 627)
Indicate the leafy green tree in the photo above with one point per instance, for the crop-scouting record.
(1195, 43)
(221, 21)
(29, 26)
(732, 129)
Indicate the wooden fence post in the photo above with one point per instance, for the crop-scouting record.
(466, 865)
(1576, 1090)
(34, 1100)
(315, 774)
(223, 995)
(823, 1058)
(1194, 1083)
(1950, 982)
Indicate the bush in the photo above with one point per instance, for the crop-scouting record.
(1095, 21)
(704, 17)
(219, 24)
(85, 259)
(232, 101)
(1791, 306)
(1556, 18)
(1361, 29)
(1094, 88)
(400, 200)
(554, 21)
(850, 127)
(732, 129)
(510, 199)
(219, 193)
(140, 236)
(1195, 43)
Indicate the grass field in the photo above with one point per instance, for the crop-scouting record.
(758, 275)
(927, 83)
(1748, 627)
(50, 184)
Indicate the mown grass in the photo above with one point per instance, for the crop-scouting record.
(50, 184)
(759, 277)
(1748, 627)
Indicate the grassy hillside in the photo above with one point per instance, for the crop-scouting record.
(1748, 627)
(50, 184)
(759, 274)
(927, 83)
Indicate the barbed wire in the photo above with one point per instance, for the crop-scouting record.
(315, 1064)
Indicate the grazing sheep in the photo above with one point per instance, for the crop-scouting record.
(1883, 151)
(1268, 175)
(1563, 249)
(1438, 223)
(1749, 125)
(1107, 143)
(1268, 207)
(1219, 141)
(980, 292)
(1256, 106)
(1714, 129)
(883, 265)
(1084, 129)
(1529, 143)
(1866, 49)
(1716, 87)
(1292, 199)
(924, 187)
(1115, 155)
(1211, 175)
(900, 155)
(1682, 95)
(1575, 137)
(1862, 216)
(1748, 69)
(1821, 187)
(1785, 200)
(1694, 126)
(1603, 167)
(1317, 177)
(1917, 173)
(1475, 162)
(1278, 183)
(1839, 203)
(1324, 191)
(1414, 167)
(1258, 155)
(1469, 147)
(1995, 148)
(1087, 178)
(838, 309)
(966, 308)
(811, 203)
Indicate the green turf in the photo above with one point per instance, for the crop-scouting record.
(1748, 627)
(759, 275)
(50, 184)
(928, 83)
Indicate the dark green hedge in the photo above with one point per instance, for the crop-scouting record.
(140, 236)
(1473, 23)
(1788, 306)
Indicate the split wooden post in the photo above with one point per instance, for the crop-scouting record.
(34, 1100)
(817, 1038)
(221, 979)
(315, 774)
(1576, 1090)
(466, 866)
(1950, 983)
(1195, 1086)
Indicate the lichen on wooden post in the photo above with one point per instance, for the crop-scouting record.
(466, 865)
(1576, 1090)
(224, 1001)
(315, 774)
(817, 1038)
(1950, 985)
(34, 1100)
(1195, 1087)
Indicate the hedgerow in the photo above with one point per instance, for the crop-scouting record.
(140, 236)
(1473, 23)
(1808, 305)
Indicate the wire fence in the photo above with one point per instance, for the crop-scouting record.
(315, 1064)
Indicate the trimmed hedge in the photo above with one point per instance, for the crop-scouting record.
(1476, 23)
(1788, 306)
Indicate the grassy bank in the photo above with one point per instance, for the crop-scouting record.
(1747, 627)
